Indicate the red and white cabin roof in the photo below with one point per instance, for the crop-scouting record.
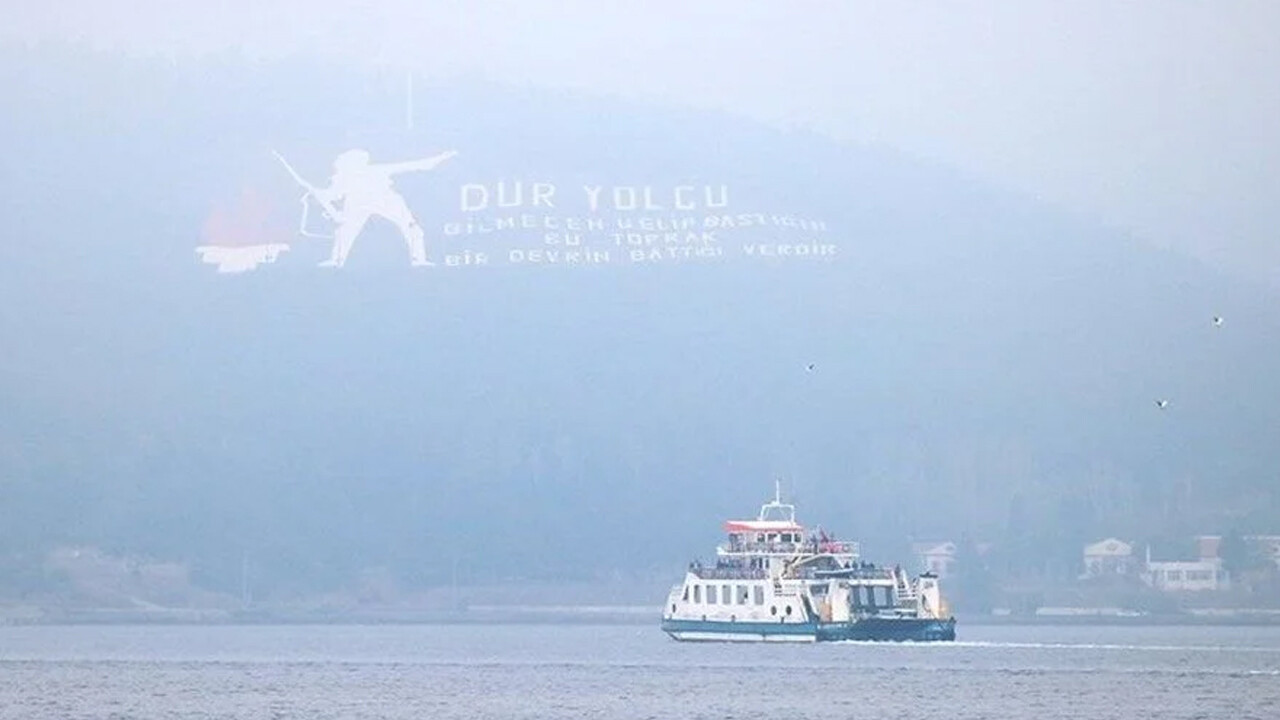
(762, 526)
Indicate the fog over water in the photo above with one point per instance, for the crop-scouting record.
(992, 302)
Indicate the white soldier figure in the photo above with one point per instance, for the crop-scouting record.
(365, 190)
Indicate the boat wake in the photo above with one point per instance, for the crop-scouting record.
(1081, 646)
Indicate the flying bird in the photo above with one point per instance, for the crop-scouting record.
(810, 367)
(1162, 404)
(1217, 320)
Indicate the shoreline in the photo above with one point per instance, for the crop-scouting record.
(552, 615)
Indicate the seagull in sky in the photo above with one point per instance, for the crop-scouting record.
(1162, 404)
(1217, 320)
(810, 367)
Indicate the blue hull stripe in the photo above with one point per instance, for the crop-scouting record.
(870, 629)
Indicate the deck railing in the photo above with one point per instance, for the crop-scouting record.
(781, 548)
(727, 573)
(801, 573)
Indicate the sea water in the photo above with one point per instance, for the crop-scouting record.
(479, 672)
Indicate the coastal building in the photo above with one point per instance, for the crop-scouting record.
(1186, 575)
(1208, 547)
(1108, 558)
(936, 557)
(1267, 546)
(1200, 575)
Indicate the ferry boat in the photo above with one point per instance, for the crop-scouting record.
(773, 583)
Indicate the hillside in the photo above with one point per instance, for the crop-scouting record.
(983, 365)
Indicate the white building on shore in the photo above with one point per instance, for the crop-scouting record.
(1205, 574)
(1108, 558)
(936, 557)
(1267, 546)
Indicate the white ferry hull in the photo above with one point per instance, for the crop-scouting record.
(716, 636)
(868, 629)
(720, 631)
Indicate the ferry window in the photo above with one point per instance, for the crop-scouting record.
(711, 594)
(697, 594)
(788, 609)
(686, 594)
(773, 609)
(759, 595)
(726, 595)
(742, 594)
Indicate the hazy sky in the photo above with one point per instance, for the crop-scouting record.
(1160, 117)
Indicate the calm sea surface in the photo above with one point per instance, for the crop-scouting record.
(628, 671)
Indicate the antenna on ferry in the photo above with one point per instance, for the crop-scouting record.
(777, 490)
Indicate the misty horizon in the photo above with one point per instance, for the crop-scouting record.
(985, 365)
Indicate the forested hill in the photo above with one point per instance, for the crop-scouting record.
(982, 365)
